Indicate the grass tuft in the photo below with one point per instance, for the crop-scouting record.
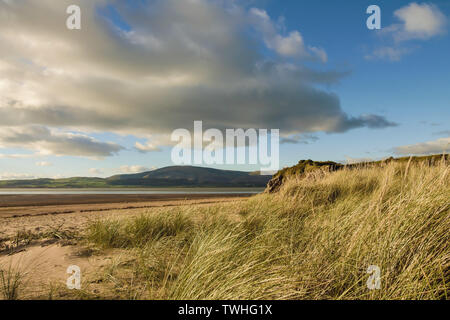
(11, 281)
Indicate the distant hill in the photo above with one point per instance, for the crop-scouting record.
(175, 176)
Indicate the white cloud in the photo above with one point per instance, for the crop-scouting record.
(320, 53)
(350, 160)
(95, 171)
(59, 176)
(18, 155)
(419, 21)
(291, 45)
(147, 147)
(431, 147)
(16, 176)
(416, 22)
(388, 53)
(44, 164)
(135, 169)
(154, 142)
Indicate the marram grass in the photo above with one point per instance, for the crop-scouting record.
(314, 239)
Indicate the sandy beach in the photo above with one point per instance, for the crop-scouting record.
(43, 204)
(34, 229)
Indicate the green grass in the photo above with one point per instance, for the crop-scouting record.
(314, 239)
(138, 231)
(11, 281)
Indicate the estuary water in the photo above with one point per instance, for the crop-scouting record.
(156, 191)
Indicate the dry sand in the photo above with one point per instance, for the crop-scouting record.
(41, 204)
(44, 261)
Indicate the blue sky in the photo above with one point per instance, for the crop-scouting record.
(86, 99)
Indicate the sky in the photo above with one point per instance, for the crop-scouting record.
(105, 99)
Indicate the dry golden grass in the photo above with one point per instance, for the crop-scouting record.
(313, 240)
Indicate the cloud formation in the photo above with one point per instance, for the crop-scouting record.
(166, 64)
(134, 169)
(52, 142)
(291, 45)
(16, 176)
(430, 147)
(18, 155)
(388, 53)
(416, 22)
(303, 138)
(351, 160)
(43, 164)
(95, 171)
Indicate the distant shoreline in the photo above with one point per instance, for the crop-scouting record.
(137, 188)
(99, 192)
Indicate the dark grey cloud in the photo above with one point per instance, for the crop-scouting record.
(178, 62)
(371, 121)
(303, 138)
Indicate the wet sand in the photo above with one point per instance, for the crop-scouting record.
(40, 214)
(51, 204)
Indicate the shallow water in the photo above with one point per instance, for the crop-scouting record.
(135, 191)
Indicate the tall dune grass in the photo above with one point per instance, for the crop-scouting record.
(314, 239)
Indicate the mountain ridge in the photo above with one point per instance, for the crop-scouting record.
(172, 176)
